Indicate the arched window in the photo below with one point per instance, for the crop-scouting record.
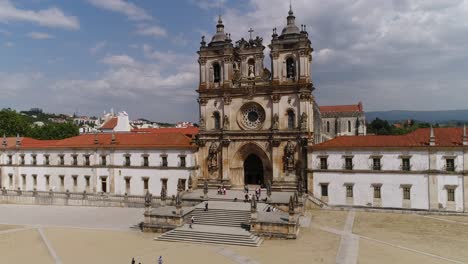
(290, 68)
(328, 126)
(216, 72)
(291, 119)
(349, 126)
(217, 120)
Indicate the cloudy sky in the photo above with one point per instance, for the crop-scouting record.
(88, 56)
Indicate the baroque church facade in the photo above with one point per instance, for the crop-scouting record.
(256, 124)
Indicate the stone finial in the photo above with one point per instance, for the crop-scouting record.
(178, 200)
(465, 136)
(96, 140)
(113, 141)
(18, 141)
(163, 193)
(432, 139)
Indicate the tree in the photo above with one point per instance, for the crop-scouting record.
(380, 127)
(12, 123)
(55, 131)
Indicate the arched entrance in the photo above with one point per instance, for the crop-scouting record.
(253, 170)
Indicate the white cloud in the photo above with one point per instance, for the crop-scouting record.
(152, 31)
(96, 48)
(120, 60)
(209, 4)
(9, 44)
(50, 17)
(124, 7)
(39, 35)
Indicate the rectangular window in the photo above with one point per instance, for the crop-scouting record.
(405, 164)
(164, 161)
(62, 160)
(145, 161)
(62, 180)
(46, 160)
(164, 183)
(10, 179)
(376, 164)
(348, 163)
(406, 193)
(34, 160)
(377, 193)
(324, 189)
(47, 181)
(34, 176)
(450, 164)
(75, 180)
(23, 177)
(182, 161)
(88, 182)
(127, 185)
(86, 157)
(451, 194)
(145, 184)
(103, 160)
(22, 159)
(10, 159)
(323, 163)
(104, 184)
(75, 160)
(349, 191)
(127, 161)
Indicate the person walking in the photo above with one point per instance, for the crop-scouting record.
(206, 206)
(192, 220)
(133, 260)
(160, 261)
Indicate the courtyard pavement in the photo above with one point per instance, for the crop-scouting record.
(45, 234)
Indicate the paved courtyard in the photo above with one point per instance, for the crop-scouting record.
(42, 234)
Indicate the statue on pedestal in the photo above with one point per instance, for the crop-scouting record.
(213, 156)
(289, 151)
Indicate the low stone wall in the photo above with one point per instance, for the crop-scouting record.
(74, 199)
(275, 230)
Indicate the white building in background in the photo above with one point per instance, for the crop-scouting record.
(117, 163)
(118, 123)
(425, 169)
(342, 120)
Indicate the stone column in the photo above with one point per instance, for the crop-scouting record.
(225, 158)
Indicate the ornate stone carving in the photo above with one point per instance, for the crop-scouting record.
(202, 61)
(251, 116)
(148, 199)
(303, 121)
(275, 55)
(202, 122)
(226, 122)
(227, 100)
(276, 98)
(228, 59)
(289, 151)
(275, 122)
(202, 101)
(266, 75)
(213, 156)
(305, 97)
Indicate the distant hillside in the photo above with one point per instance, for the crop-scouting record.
(423, 116)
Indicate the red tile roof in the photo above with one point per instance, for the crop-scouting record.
(341, 108)
(122, 140)
(188, 131)
(444, 137)
(110, 124)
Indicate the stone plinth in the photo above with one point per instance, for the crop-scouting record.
(165, 218)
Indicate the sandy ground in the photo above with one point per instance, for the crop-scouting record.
(103, 236)
(441, 238)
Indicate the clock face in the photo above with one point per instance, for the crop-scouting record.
(252, 116)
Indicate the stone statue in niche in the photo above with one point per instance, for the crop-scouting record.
(275, 122)
(251, 72)
(289, 152)
(266, 75)
(213, 156)
(202, 122)
(211, 74)
(304, 121)
(226, 122)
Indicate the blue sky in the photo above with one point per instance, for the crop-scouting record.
(140, 56)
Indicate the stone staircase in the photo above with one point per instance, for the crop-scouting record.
(220, 217)
(221, 224)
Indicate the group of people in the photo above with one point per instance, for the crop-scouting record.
(249, 196)
(222, 190)
(160, 260)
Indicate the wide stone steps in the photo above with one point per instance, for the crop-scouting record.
(220, 217)
(212, 235)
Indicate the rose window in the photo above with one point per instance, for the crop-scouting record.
(252, 116)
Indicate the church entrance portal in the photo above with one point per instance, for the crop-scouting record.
(253, 170)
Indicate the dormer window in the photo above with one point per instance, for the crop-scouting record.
(216, 72)
(290, 68)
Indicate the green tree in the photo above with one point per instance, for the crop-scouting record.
(12, 123)
(380, 127)
(55, 131)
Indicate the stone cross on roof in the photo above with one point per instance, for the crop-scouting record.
(250, 31)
